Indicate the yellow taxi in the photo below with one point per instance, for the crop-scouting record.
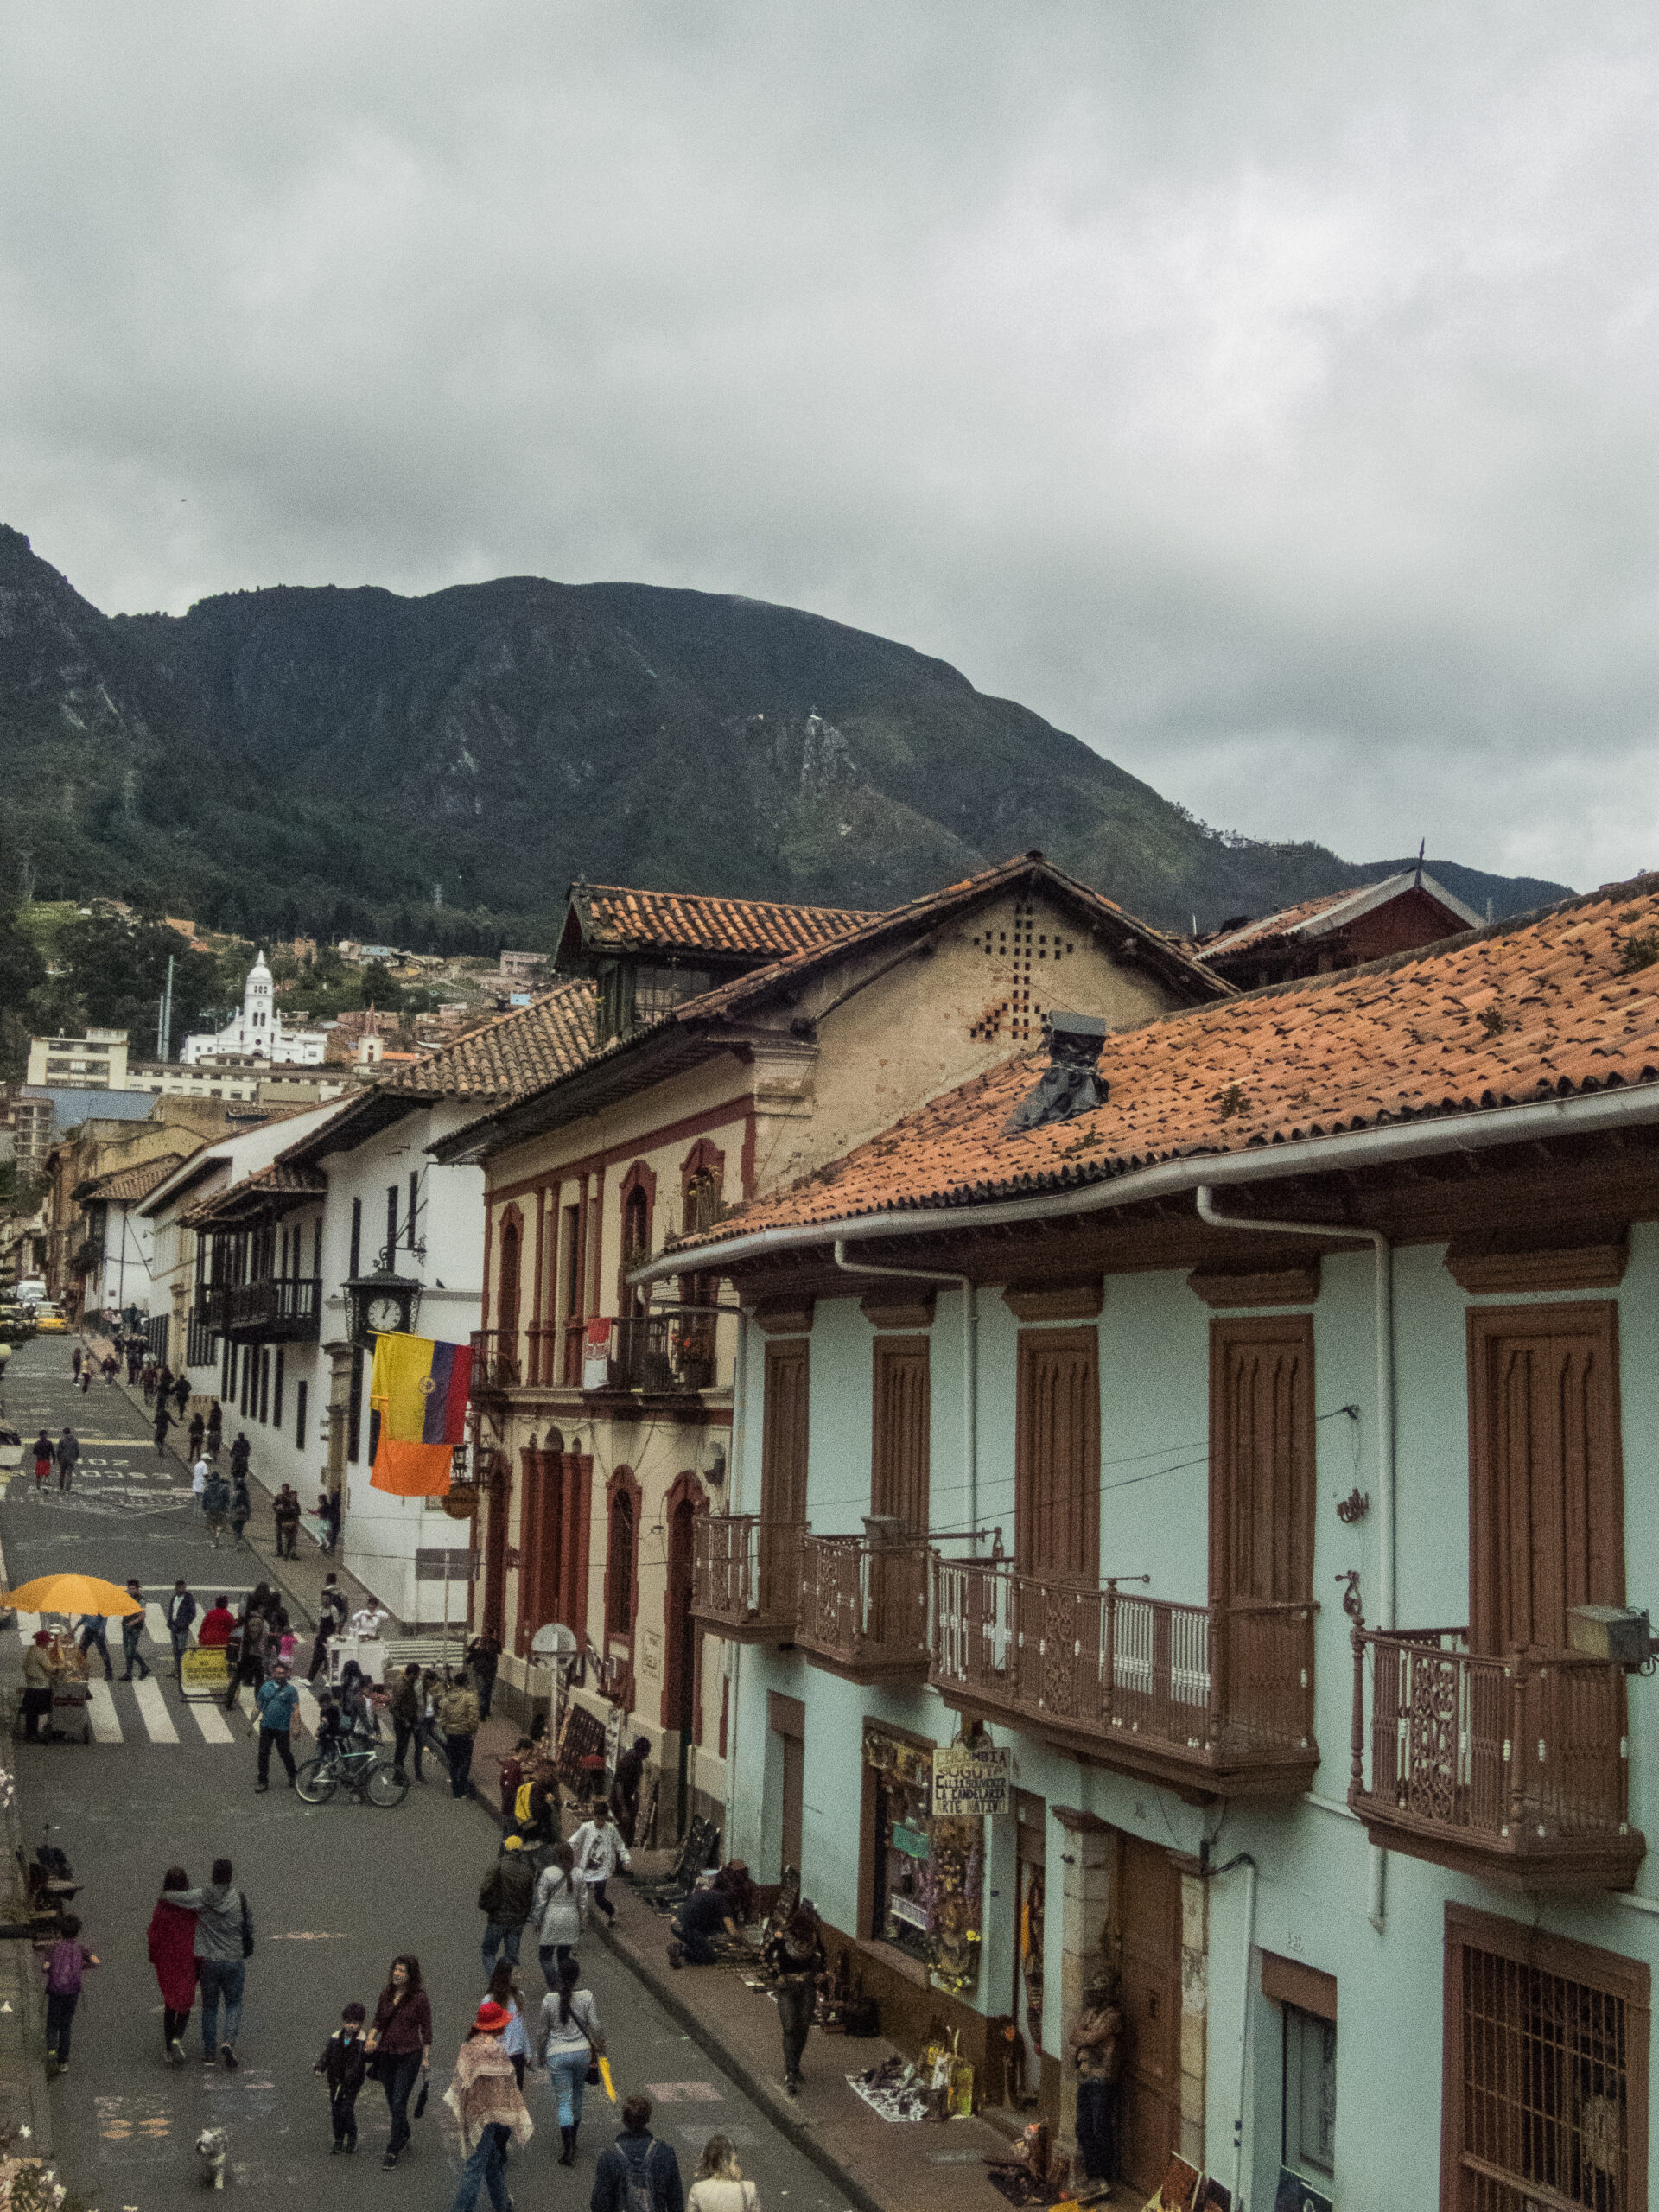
(48, 1319)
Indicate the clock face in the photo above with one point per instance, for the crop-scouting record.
(384, 1314)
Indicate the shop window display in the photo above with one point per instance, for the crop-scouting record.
(928, 1871)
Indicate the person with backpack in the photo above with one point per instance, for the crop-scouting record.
(570, 2041)
(45, 1454)
(63, 1966)
(504, 1897)
(223, 1946)
(638, 2172)
(458, 1718)
(486, 2102)
(557, 1910)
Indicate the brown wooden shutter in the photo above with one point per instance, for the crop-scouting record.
(784, 1444)
(899, 1452)
(1546, 1474)
(1262, 1459)
(1057, 1455)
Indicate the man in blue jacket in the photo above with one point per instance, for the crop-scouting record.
(279, 1700)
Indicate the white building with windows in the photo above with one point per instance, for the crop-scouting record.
(257, 1031)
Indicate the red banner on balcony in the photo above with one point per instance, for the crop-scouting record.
(419, 1388)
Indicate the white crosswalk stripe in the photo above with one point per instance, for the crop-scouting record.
(106, 1727)
(29, 1626)
(153, 1706)
(208, 1716)
(310, 1713)
(155, 1622)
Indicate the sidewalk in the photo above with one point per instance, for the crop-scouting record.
(881, 2165)
(299, 1578)
(25, 2110)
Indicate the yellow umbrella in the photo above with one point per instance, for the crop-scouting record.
(73, 1593)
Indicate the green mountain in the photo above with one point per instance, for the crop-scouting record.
(349, 759)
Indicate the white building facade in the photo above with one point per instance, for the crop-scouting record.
(259, 1031)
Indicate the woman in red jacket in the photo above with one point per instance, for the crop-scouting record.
(173, 1955)
(400, 2044)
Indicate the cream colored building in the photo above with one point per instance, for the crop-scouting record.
(738, 1047)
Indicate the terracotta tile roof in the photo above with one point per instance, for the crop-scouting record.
(1160, 951)
(128, 1183)
(278, 1181)
(1335, 908)
(617, 919)
(519, 1052)
(1553, 1005)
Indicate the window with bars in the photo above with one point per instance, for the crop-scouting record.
(619, 1567)
(1547, 2066)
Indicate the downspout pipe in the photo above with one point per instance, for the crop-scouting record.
(734, 1483)
(969, 1357)
(1383, 1294)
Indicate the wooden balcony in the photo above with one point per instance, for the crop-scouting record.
(863, 1608)
(1212, 1701)
(1514, 1769)
(496, 1364)
(746, 1577)
(281, 1309)
(652, 1355)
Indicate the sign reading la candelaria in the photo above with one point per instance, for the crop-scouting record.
(969, 1779)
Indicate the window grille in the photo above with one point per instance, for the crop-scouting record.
(1547, 2075)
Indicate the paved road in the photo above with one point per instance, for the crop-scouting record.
(335, 1891)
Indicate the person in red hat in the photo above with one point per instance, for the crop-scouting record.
(488, 2107)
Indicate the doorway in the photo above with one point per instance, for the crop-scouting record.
(786, 1717)
(1031, 1861)
(680, 1634)
(1145, 1937)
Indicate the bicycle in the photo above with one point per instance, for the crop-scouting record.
(370, 1778)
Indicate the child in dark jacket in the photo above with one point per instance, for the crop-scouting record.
(63, 1966)
(343, 2063)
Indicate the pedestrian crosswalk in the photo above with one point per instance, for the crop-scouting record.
(150, 1709)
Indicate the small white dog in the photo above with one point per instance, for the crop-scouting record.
(212, 2147)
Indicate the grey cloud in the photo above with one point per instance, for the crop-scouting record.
(1265, 392)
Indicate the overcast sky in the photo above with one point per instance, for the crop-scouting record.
(1265, 393)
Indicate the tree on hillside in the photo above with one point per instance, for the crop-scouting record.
(113, 972)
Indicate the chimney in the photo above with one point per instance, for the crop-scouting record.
(1070, 1084)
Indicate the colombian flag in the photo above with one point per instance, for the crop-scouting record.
(419, 1389)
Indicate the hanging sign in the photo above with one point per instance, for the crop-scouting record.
(596, 1355)
(969, 1780)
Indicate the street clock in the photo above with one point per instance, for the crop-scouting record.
(383, 1304)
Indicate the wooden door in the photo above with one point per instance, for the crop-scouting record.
(1057, 1456)
(495, 1566)
(784, 1436)
(899, 1443)
(794, 1799)
(1546, 1474)
(1146, 1934)
(1031, 1864)
(1262, 1460)
(679, 1635)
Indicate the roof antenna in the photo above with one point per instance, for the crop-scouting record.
(1419, 862)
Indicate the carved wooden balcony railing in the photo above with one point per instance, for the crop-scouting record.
(746, 1577)
(1513, 1768)
(863, 1608)
(497, 1365)
(283, 1309)
(660, 1355)
(1216, 1701)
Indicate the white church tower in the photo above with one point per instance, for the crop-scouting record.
(257, 1031)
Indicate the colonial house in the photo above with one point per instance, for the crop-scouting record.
(739, 1045)
(347, 1227)
(1344, 929)
(1234, 1472)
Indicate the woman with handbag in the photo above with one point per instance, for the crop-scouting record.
(570, 2046)
(485, 2100)
(400, 2045)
